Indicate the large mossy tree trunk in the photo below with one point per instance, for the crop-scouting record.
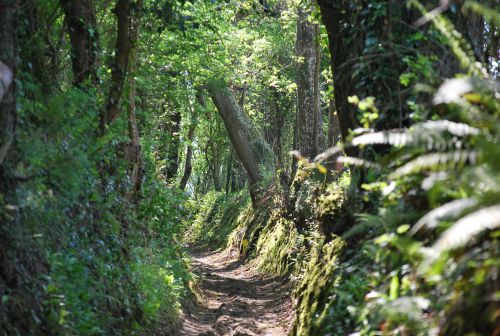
(81, 21)
(308, 132)
(248, 143)
(309, 118)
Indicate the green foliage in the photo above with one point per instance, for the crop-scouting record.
(83, 258)
(215, 218)
(428, 244)
(111, 267)
(160, 277)
(431, 168)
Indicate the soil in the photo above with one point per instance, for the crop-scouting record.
(236, 299)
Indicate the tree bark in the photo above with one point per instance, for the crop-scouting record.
(8, 56)
(119, 67)
(188, 165)
(172, 155)
(6, 78)
(135, 156)
(309, 118)
(229, 170)
(81, 22)
(212, 159)
(249, 145)
(331, 17)
(334, 134)
(278, 123)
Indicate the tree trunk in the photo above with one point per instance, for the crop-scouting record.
(309, 118)
(119, 67)
(6, 78)
(229, 170)
(334, 134)
(278, 123)
(36, 45)
(8, 55)
(135, 156)
(212, 158)
(331, 16)
(172, 155)
(188, 166)
(249, 145)
(81, 22)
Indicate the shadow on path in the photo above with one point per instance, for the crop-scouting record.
(237, 300)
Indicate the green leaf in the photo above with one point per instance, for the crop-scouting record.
(394, 288)
(403, 228)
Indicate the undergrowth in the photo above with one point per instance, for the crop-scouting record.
(216, 217)
(108, 266)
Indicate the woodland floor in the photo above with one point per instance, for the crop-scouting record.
(236, 299)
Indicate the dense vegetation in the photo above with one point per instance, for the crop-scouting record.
(349, 146)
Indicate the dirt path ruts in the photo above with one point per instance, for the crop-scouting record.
(237, 300)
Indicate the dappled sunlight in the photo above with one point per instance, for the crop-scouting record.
(249, 167)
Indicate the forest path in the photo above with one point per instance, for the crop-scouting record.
(236, 300)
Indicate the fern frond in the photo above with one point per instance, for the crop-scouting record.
(452, 91)
(361, 130)
(364, 224)
(458, 129)
(428, 133)
(448, 210)
(357, 162)
(467, 228)
(432, 179)
(460, 47)
(327, 153)
(367, 218)
(434, 161)
(421, 132)
(489, 14)
(395, 138)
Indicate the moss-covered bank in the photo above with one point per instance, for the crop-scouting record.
(273, 242)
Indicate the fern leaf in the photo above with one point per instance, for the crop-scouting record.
(428, 132)
(452, 90)
(458, 129)
(448, 210)
(365, 223)
(468, 227)
(357, 162)
(433, 178)
(388, 138)
(418, 133)
(327, 153)
(433, 161)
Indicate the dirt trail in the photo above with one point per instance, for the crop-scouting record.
(237, 300)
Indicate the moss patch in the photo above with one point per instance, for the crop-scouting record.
(276, 246)
(312, 302)
(216, 219)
